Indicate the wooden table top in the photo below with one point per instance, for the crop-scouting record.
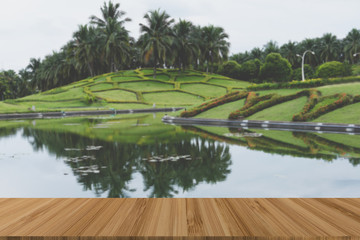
(192, 218)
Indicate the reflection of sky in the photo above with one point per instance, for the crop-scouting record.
(25, 173)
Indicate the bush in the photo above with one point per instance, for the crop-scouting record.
(343, 100)
(250, 70)
(230, 97)
(274, 100)
(230, 69)
(275, 69)
(332, 69)
(309, 73)
(303, 84)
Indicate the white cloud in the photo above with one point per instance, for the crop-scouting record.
(37, 27)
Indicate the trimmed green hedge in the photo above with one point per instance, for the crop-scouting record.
(312, 101)
(230, 97)
(343, 100)
(304, 84)
(274, 100)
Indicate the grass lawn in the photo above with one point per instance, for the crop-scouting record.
(348, 114)
(163, 77)
(283, 136)
(12, 108)
(223, 111)
(172, 98)
(350, 88)
(323, 103)
(349, 140)
(146, 85)
(118, 95)
(73, 93)
(204, 89)
(229, 83)
(186, 78)
(102, 86)
(118, 79)
(280, 112)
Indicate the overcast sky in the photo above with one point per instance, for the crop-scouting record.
(34, 28)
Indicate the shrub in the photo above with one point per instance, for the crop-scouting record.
(250, 70)
(308, 70)
(275, 69)
(230, 69)
(332, 69)
(274, 100)
(343, 100)
(312, 101)
(230, 97)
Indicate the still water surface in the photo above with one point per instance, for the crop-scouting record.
(139, 156)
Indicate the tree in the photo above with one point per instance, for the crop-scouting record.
(275, 69)
(332, 69)
(215, 47)
(115, 38)
(289, 51)
(352, 44)
(183, 44)
(271, 47)
(230, 69)
(157, 36)
(329, 47)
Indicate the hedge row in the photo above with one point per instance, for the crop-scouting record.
(303, 84)
(233, 96)
(274, 100)
(312, 101)
(252, 100)
(343, 100)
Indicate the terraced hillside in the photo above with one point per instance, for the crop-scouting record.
(129, 90)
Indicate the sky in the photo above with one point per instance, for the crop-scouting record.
(35, 28)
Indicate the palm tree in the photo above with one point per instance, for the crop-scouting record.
(313, 45)
(256, 53)
(32, 68)
(329, 47)
(185, 47)
(271, 47)
(115, 38)
(157, 36)
(352, 44)
(288, 51)
(215, 45)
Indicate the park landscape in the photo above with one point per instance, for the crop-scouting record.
(179, 64)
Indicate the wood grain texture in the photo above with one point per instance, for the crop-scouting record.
(192, 218)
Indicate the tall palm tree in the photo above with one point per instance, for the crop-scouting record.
(32, 68)
(216, 48)
(115, 38)
(313, 45)
(185, 47)
(257, 53)
(352, 44)
(157, 36)
(329, 47)
(288, 51)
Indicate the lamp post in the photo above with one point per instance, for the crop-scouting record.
(302, 62)
(355, 54)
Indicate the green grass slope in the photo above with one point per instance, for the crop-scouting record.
(129, 90)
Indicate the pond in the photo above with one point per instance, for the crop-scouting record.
(136, 155)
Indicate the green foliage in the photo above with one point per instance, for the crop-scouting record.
(308, 70)
(343, 100)
(303, 84)
(230, 69)
(274, 100)
(332, 69)
(234, 96)
(250, 70)
(275, 69)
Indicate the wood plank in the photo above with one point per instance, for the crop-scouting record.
(193, 218)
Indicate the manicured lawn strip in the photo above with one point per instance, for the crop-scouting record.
(204, 89)
(280, 112)
(69, 94)
(186, 78)
(147, 85)
(222, 111)
(120, 95)
(229, 83)
(100, 79)
(324, 102)
(282, 92)
(119, 79)
(175, 97)
(350, 88)
(349, 114)
(101, 86)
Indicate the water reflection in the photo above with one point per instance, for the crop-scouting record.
(105, 154)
